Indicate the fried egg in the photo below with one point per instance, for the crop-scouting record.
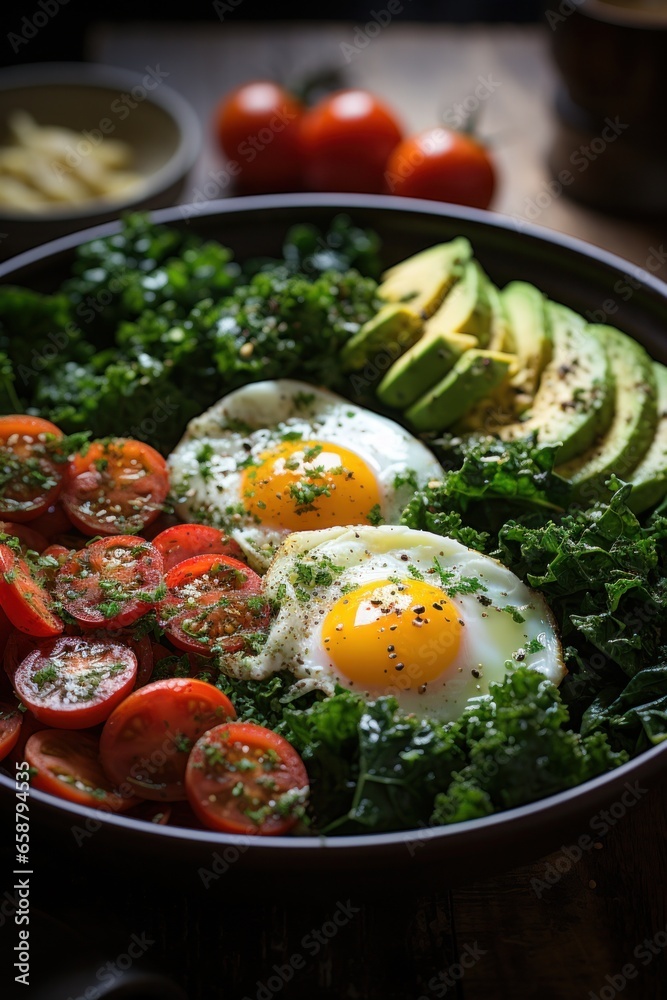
(392, 611)
(282, 456)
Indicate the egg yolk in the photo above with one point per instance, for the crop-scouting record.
(383, 630)
(301, 485)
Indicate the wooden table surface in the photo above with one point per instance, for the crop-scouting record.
(517, 935)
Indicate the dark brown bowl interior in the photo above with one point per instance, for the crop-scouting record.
(589, 280)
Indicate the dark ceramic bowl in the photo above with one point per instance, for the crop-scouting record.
(585, 278)
(159, 126)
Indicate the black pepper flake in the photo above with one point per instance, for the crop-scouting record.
(399, 666)
(421, 689)
(392, 628)
(390, 649)
(484, 600)
(475, 672)
(419, 609)
(392, 656)
(438, 607)
(404, 556)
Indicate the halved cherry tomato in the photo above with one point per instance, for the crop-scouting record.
(67, 764)
(243, 778)
(183, 541)
(258, 129)
(29, 538)
(142, 648)
(74, 682)
(345, 140)
(29, 725)
(115, 487)
(111, 582)
(25, 602)
(30, 477)
(10, 728)
(50, 561)
(442, 165)
(213, 603)
(146, 740)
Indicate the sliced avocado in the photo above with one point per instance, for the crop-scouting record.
(424, 280)
(393, 329)
(465, 311)
(574, 401)
(409, 377)
(475, 374)
(633, 424)
(499, 328)
(530, 338)
(649, 478)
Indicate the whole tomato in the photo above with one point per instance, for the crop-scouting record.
(346, 139)
(442, 165)
(258, 129)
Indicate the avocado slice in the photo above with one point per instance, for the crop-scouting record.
(475, 375)
(574, 401)
(409, 377)
(530, 338)
(649, 478)
(424, 280)
(467, 311)
(632, 426)
(393, 329)
(499, 328)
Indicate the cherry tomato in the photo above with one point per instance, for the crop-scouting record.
(67, 764)
(74, 682)
(442, 165)
(30, 476)
(346, 139)
(110, 583)
(10, 728)
(30, 539)
(50, 561)
(258, 130)
(183, 541)
(29, 725)
(243, 778)
(146, 740)
(115, 487)
(25, 602)
(213, 603)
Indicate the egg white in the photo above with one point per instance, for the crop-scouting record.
(253, 419)
(492, 640)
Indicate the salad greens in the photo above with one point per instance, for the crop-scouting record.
(155, 324)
